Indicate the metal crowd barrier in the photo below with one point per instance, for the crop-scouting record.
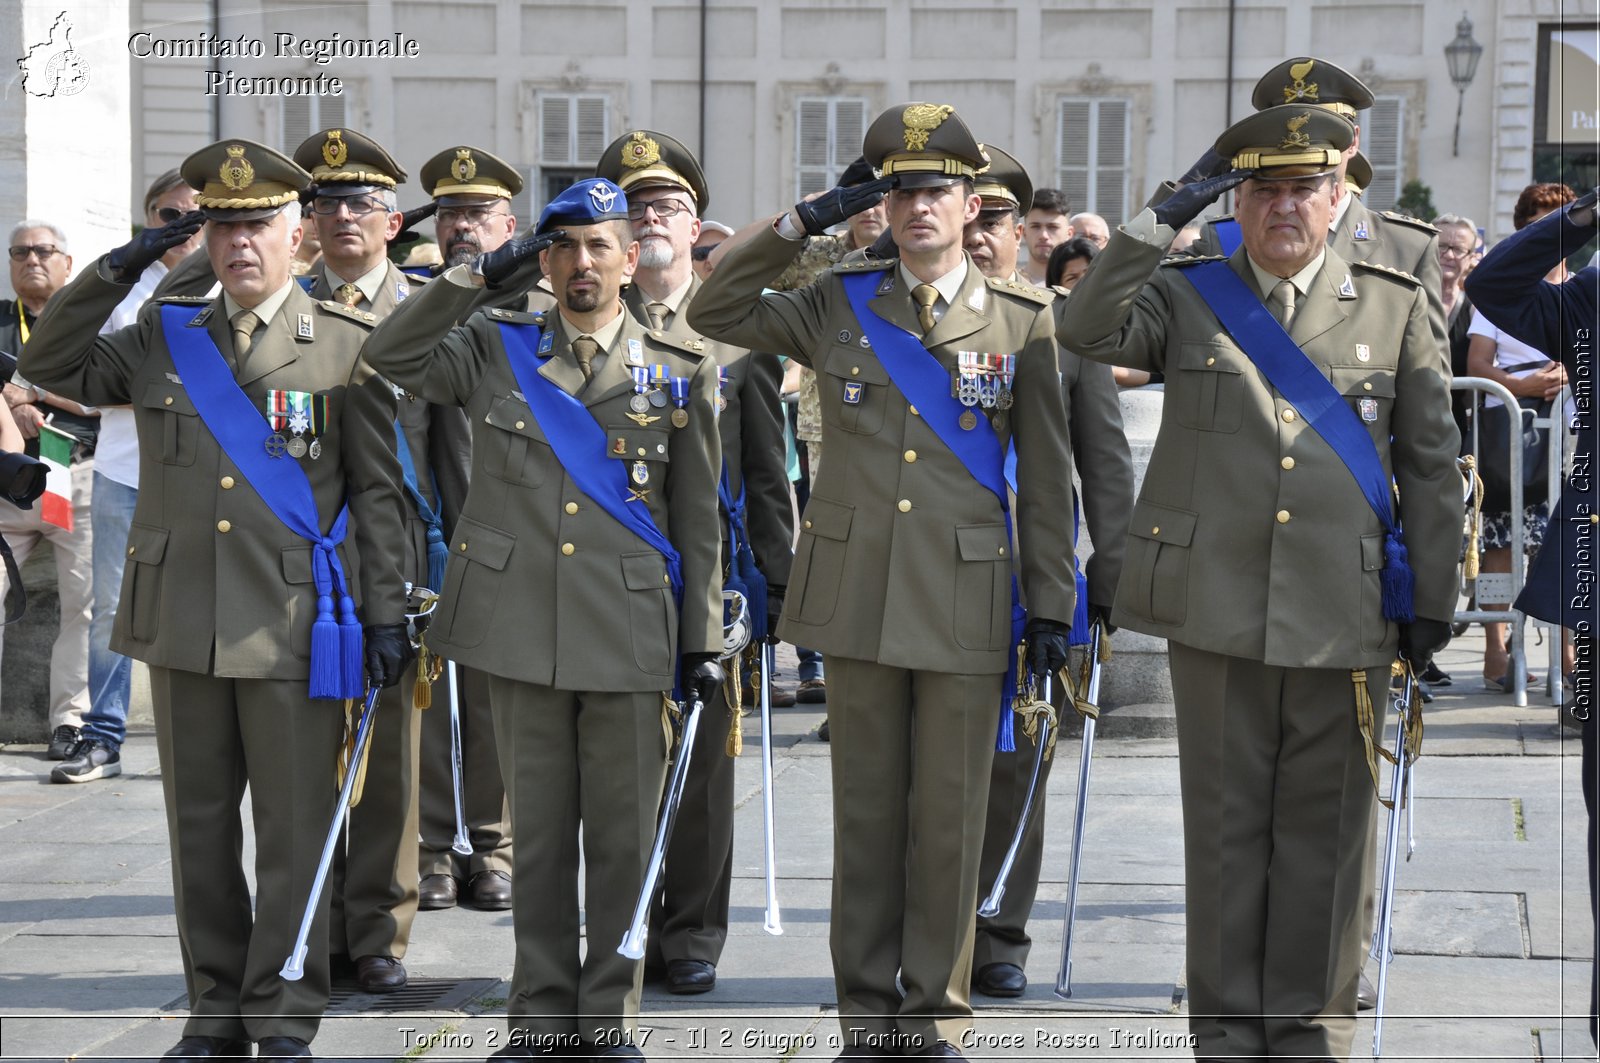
(1502, 588)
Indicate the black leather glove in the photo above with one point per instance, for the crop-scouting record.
(702, 675)
(1422, 638)
(819, 215)
(1047, 646)
(129, 261)
(1586, 202)
(775, 595)
(495, 266)
(1211, 164)
(388, 653)
(1185, 205)
(1102, 613)
(408, 221)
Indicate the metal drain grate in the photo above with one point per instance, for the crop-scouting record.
(419, 994)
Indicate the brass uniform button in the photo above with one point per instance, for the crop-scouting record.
(642, 452)
(224, 527)
(167, 401)
(571, 507)
(1002, 551)
(463, 548)
(227, 483)
(1287, 463)
(1283, 516)
(1366, 386)
(855, 370)
(521, 425)
(131, 549)
(1211, 361)
(911, 456)
(905, 505)
(914, 412)
(567, 549)
(1288, 417)
(1156, 530)
(808, 524)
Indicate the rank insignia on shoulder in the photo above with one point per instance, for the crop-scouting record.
(852, 392)
(1191, 260)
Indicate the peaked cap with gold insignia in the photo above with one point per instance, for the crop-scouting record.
(240, 180)
(922, 145)
(1306, 80)
(346, 163)
(469, 171)
(1005, 183)
(644, 158)
(1281, 143)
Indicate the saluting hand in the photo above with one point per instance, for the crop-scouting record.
(1185, 205)
(129, 261)
(495, 266)
(1583, 212)
(817, 214)
(408, 221)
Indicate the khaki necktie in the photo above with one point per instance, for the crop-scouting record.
(1283, 303)
(925, 295)
(658, 314)
(584, 348)
(245, 324)
(348, 294)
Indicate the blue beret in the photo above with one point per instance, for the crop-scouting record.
(588, 202)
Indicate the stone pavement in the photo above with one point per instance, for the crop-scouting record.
(1491, 929)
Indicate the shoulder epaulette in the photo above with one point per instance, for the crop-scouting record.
(1042, 296)
(514, 317)
(185, 300)
(338, 309)
(1408, 220)
(1191, 260)
(863, 264)
(688, 344)
(1390, 270)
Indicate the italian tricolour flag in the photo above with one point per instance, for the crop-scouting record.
(55, 450)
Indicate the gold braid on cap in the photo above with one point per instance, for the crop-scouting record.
(237, 174)
(1269, 157)
(365, 177)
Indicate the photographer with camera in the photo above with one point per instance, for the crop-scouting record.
(40, 265)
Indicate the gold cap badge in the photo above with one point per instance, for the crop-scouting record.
(237, 173)
(1293, 138)
(920, 119)
(640, 151)
(1300, 89)
(463, 167)
(334, 149)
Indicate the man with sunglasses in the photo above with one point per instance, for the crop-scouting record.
(40, 266)
(666, 192)
(472, 190)
(374, 880)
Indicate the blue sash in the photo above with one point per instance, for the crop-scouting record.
(1228, 235)
(580, 446)
(233, 420)
(438, 552)
(926, 385)
(743, 574)
(1286, 367)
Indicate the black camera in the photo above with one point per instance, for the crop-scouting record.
(22, 478)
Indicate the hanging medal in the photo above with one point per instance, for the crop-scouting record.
(278, 420)
(299, 423)
(1008, 373)
(659, 378)
(319, 425)
(722, 382)
(638, 402)
(680, 401)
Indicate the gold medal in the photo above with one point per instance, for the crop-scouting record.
(680, 418)
(969, 420)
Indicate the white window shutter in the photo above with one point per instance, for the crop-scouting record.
(813, 133)
(555, 130)
(591, 136)
(850, 126)
(1073, 151)
(1111, 161)
(295, 116)
(1382, 129)
(330, 112)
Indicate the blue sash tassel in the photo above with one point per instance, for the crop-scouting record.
(1286, 367)
(239, 428)
(438, 551)
(926, 385)
(744, 575)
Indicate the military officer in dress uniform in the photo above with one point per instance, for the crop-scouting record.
(1273, 562)
(904, 571)
(1356, 233)
(1105, 468)
(374, 878)
(666, 190)
(223, 596)
(573, 612)
(473, 191)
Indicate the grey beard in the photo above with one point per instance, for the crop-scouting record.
(656, 253)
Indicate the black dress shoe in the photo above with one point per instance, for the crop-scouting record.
(489, 891)
(282, 1048)
(209, 1048)
(380, 974)
(435, 892)
(690, 976)
(1000, 980)
(1366, 994)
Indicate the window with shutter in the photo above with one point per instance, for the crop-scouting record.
(1382, 137)
(828, 132)
(1092, 142)
(300, 116)
(573, 131)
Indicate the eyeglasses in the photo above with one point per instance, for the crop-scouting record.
(1457, 252)
(168, 215)
(702, 254)
(358, 206)
(42, 252)
(664, 208)
(473, 216)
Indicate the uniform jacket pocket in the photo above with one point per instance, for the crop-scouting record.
(1209, 394)
(178, 424)
(1155, 574)
(139, 612)
(854, 392)
(472, 583)
(517, 450)
(652, 620)
(983, 587)
(819, 561)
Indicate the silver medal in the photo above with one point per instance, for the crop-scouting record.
(638, 403)
(296, 447)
